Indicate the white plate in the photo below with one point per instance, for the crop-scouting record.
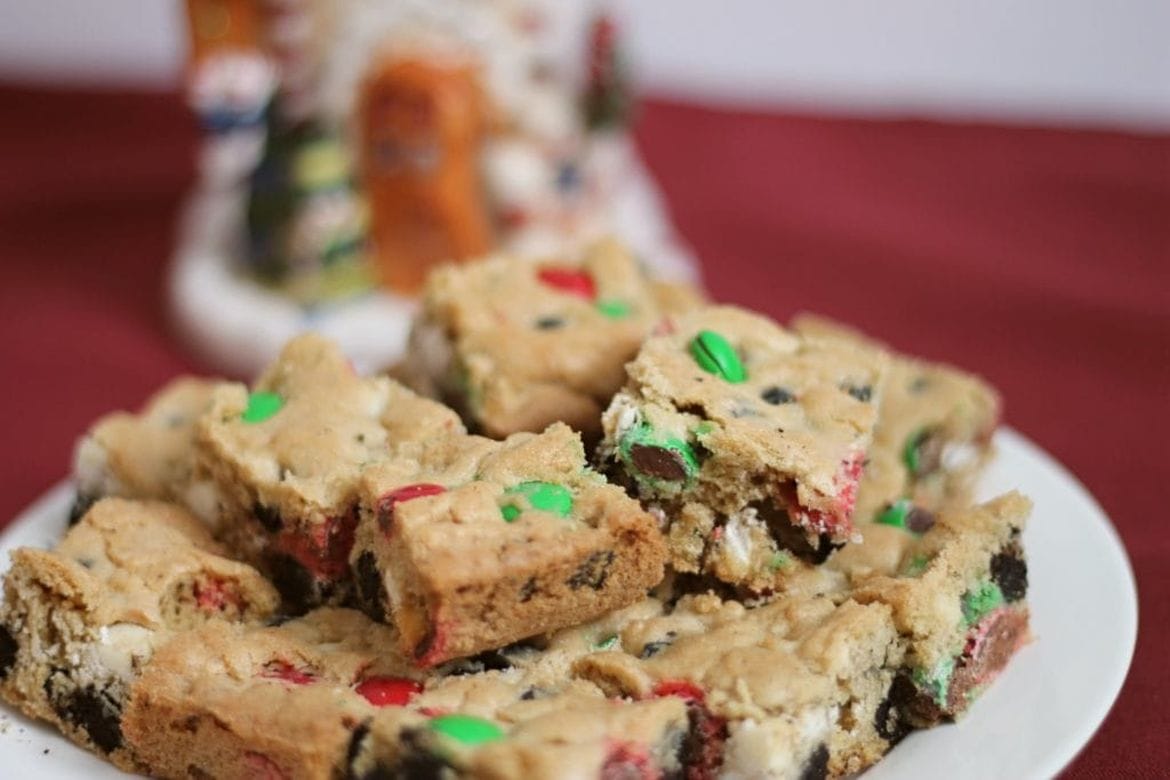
(1030, 724)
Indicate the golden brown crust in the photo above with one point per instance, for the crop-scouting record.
(457, 577)
(150, 454)
(516, 354)
(86, 617)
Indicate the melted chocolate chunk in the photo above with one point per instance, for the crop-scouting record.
(268, 517)
(817, 766)
(528, 590)
(777, 395)
(550, 323)
(919, 520)
(1010, 572)
(794, 539)
(356, 744)
(658, 462)
(8, 648)
(891, 720)
(863, 393)
(91, 710)
(371, 594)
(81, 505)
(593, 571)
(296, 584)
(414, 763)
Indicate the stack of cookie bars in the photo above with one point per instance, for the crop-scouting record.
(600, 529)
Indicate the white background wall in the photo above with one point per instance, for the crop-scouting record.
(1100, 62)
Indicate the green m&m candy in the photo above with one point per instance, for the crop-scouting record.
(466, 729)
(613, 308)
(922, 452)
(545, 496)
(980, 600)
(715, 355)
(262, 405)
(655, 455)
(903, 514)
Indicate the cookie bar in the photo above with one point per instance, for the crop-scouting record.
(519, 713)
(227, 701)
(797, 688)
(148, 455)
(467, 543)
(79, 622)
(287, 456)
(301, 699)
(516, 345)
(572, 734)
(749, 438)
(933, 434)
(958, 599)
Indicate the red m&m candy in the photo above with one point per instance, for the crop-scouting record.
(570, 281)
(388, 691)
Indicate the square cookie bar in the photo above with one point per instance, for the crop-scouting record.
(467, 544)
(287, 457)
(275, 702)
(748, 438)
(576, 733)
(519, 713)
(148, 455)
(515, 345)
(797, 688)
(933, 434)
(80, 622)
(958, 600)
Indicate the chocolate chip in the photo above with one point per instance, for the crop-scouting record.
(817, 765)
(919, 384)
(919, 520)
(550, 323)
(777, 395)
(593, 571)
(487, 661)
(8, 649)
(891, 720)
(424, 646)
(91, 710)
(657, 646)
(863, 393)
(658, 462)
(531, 693)
(528, 590)
(356, 745)
(1010, 572)
(81, 505)
(371, 594)
(268, 517)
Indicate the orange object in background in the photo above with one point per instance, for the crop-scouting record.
(421, 124)
(222, 25)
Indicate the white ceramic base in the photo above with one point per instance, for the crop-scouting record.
(238, 326)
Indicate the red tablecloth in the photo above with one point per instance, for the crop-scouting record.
(1039, 258)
